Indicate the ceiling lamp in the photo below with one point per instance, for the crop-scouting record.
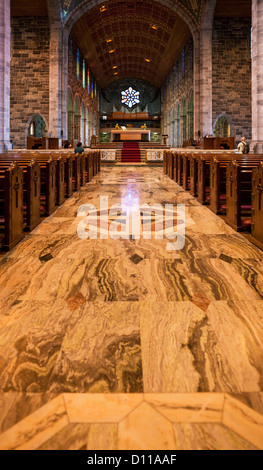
(111, 51)
(147, 60)
(103, 8)
(153, 26)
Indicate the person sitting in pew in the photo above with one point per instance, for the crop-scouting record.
(79, 149)
(243, 146)
(67, 144)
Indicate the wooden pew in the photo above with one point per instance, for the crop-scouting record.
(218, 169)
(203, 191)
(99, 161)
(31, 191)
(169, 164)
(239, 194)
(165, 155)
(186, 171)
(68, 175)
(193, 175)
(179, 168)
(11, 205)
(47, 178)
(257, 205)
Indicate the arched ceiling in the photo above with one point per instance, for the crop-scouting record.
(193, 7)
(130, 39)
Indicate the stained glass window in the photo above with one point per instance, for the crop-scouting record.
(88, 81)
(77, 64)
(92, 86)
(130, 97)
(83, 73)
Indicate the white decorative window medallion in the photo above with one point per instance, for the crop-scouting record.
(130, 97)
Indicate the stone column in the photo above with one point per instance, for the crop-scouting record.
(5, 75)
(206, 81)
(55, 71)
(55, 81)
(257, 76)
(205, 71)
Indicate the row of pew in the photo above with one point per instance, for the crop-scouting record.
(33, 185)
(230, 184)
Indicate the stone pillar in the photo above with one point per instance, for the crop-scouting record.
(55, 71)
(257, 76)
(205, 71)
(206, 126)
(55, 81)
(5, 75)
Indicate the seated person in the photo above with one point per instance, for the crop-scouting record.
(67, 144)
(79, 149)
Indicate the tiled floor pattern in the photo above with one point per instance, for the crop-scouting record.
(125, 342)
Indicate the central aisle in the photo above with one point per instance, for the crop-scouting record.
(144, 342)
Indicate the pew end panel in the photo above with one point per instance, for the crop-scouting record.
(257, 205)
(11, 206)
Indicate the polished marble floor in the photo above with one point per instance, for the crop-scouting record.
(110, 338)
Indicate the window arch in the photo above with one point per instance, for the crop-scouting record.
(191, 115)
(82, 124)
(173, 127)
(36, 126)
(87, 127)
(224, 126)
(70, 115)
(76, 118)
(184, 119)
(178, 121)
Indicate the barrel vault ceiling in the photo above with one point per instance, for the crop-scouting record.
(136, 39)
(131, 38)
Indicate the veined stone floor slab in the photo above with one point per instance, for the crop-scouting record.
(103, 340)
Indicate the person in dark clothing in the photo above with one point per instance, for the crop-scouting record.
(79, 148)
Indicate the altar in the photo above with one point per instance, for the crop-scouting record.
(118, 135)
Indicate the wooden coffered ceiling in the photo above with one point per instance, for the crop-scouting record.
(130, 39)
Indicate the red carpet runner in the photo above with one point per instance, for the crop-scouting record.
(130, 152)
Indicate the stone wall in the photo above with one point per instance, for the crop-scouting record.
(232, 74)
(177, 92)
(29, 86)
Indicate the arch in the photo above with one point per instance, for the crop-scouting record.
(184, 119)
(168, 127)
(87, 132)
(70, 114)
(91, 124)
(173, 127)
(34, 119)
(85, 6)
(82, 123)
(191, 115)
(176, 7)
(77, 118)
(178, 126)
(224, 126)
